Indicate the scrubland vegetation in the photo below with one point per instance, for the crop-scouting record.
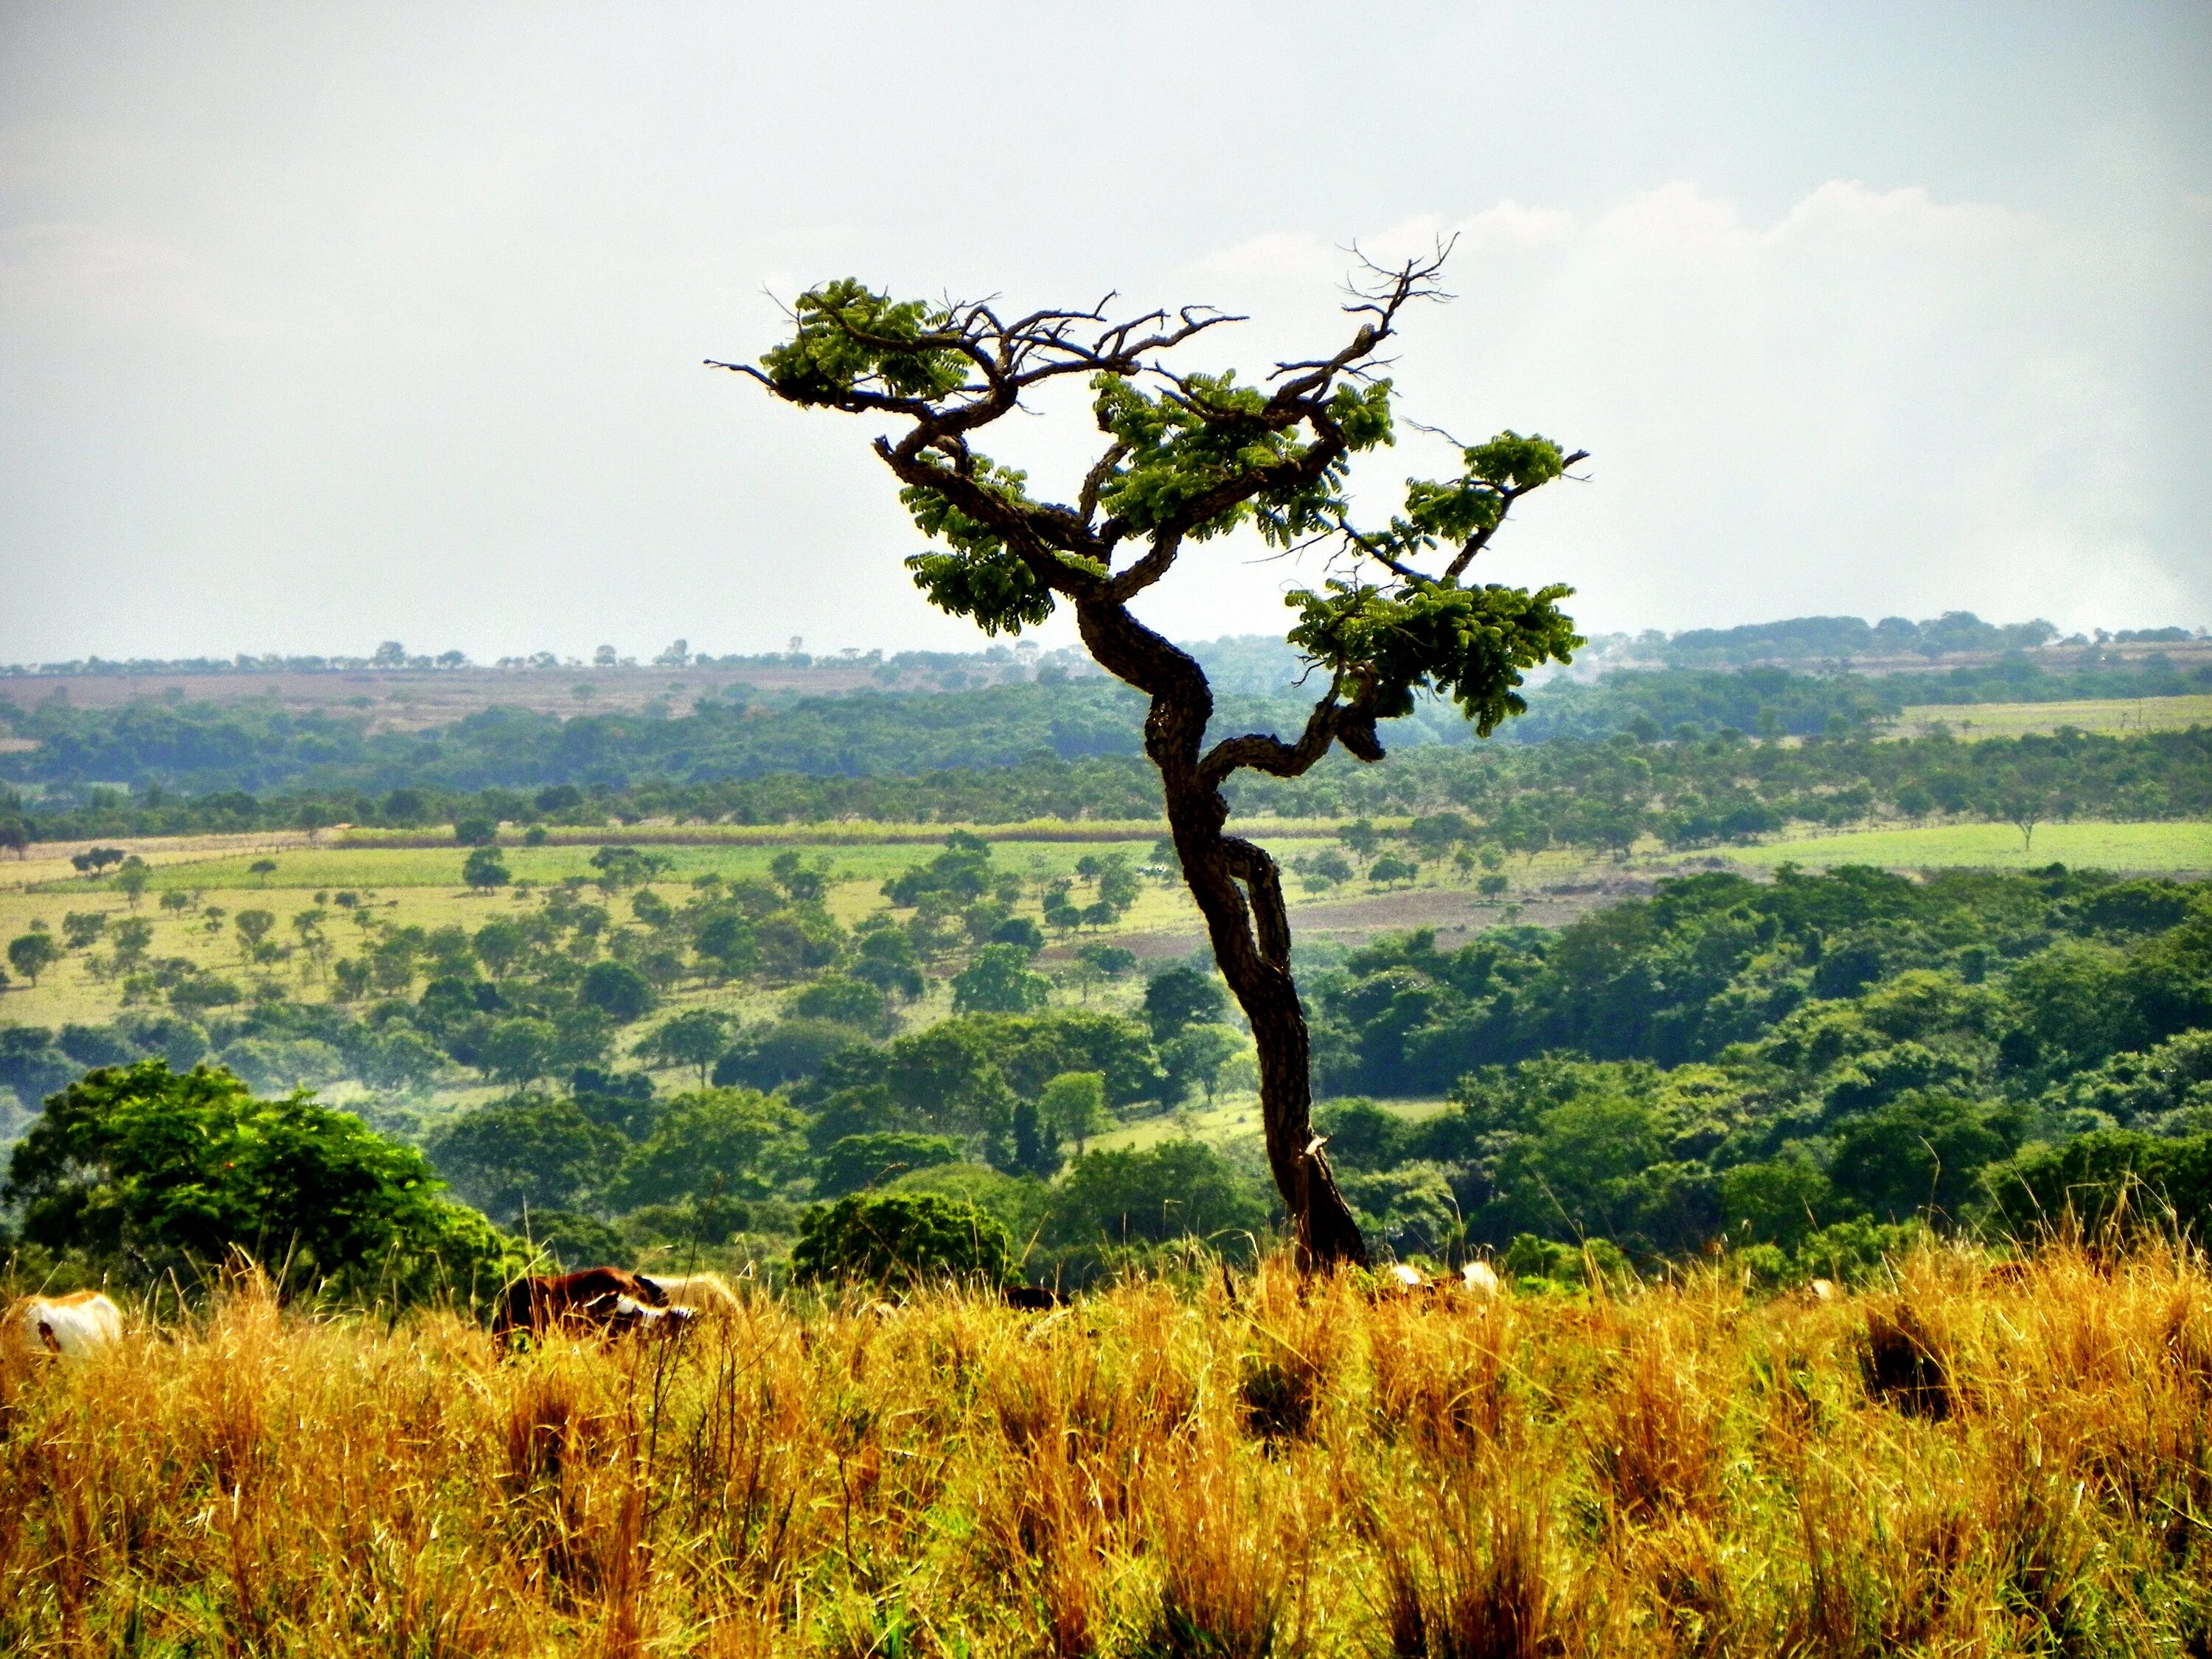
(878, 1084)
(1193, 1463)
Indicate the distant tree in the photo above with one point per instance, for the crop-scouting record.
(530, 1152)
(1034, 1148)
(80, 927)
(476, 830)
(16, 837)
(1180, 996)
(130, 937)
(264, 868)
(849, 1001)
(1178, 1188)
(886, 958)
(1194, 1056)
(696, 1037)
(1391, 869)
(484, 869)
(31, 954)
(518, 1050)
(853, 1164)
(1188, 458)
(618, 990)
(253, 926)
(1074, 1105)
(999, 981)
(731, 1143)
(783, 1052)
(130, 880)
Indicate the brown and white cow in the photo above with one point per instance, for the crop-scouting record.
(593, 1300)
(80, 1323)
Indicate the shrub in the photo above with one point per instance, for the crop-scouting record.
(1177, 1189)
(902, 1240)
(148, 1170)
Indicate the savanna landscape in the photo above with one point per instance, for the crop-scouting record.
(1216, 1001)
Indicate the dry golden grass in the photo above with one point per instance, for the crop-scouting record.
(1267, 1468)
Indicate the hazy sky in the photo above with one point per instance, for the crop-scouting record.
(322, 325)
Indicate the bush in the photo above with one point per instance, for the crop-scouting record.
(1177, 1189)
(902, 1240)
(155, 1172)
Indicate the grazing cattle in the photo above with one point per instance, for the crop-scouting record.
(1481, 1278)
(1824, 1289)
(709, 1293)
(586, 1301)
(80, 1323)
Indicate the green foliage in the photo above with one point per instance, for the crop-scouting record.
(848, 336)
(731, 1143)
(1180, 996)
(853, 1163)
(1472, 645)
(530, 1152)
(696, 1037)
(1073, 1105)
(484, 869)
(1179, 1189)
(157, 1173)
(30, 954)
(617, 990)
(1194, 1058)
(849, 1001)
(902, 1241)
(998, 980)
(2112, 1184)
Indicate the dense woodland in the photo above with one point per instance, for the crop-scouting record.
(1802, 1068)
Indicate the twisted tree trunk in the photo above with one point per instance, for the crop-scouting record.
(1239, 891)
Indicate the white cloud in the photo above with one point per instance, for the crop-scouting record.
(1876, 401)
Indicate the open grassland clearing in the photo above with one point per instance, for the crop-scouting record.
(2116, 716)
(1242, 1466)
(2151, 848)
(1231, 1116)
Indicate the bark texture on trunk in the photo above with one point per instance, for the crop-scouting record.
(1239, 891)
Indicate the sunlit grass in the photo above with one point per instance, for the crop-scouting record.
(2142, 846)
(1235, 1467)
(2116, 716)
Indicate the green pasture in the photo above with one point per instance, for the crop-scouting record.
(2145, 847)
(356, 867)
(2015, 719)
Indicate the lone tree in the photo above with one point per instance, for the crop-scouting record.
(1189, 456)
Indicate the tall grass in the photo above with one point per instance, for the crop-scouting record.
(1262, 1467)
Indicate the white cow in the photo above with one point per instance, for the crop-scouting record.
(80, 1323)
(1481, 1278)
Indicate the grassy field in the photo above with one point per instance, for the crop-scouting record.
(2015, 720)
(2139, 847)
(1214, 1466)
